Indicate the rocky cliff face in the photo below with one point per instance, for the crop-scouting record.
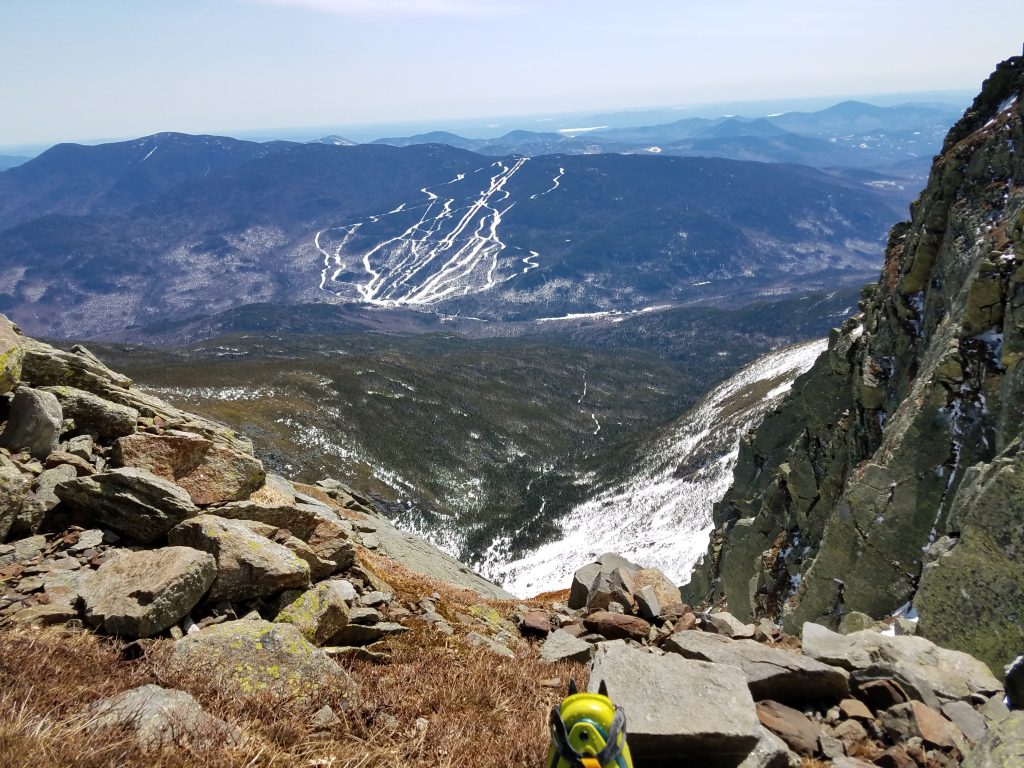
(893, 474)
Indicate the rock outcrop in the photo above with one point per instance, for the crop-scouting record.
(891, 474)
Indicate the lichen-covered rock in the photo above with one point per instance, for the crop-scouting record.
(133, 502)
(249, 658)
(109, 420)
(320, 613)
(885, 445)
(34, 424)
(160, 718)
(1002, 747)
(211, 473)
(248, 564)
(12, 353)
(985, 559)
(142, 593)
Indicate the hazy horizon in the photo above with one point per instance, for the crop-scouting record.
(113, 69)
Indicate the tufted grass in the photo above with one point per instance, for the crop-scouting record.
(437, 703)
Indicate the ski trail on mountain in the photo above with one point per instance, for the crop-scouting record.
(454, 247)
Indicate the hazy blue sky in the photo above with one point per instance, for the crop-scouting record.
(80, 69)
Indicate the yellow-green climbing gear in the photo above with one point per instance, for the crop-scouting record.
(588, 731)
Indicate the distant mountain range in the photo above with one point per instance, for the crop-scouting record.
(852, 134)
(171, 226)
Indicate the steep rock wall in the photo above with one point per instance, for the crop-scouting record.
(893, 472)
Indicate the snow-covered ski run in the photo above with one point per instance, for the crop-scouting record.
(447, 244)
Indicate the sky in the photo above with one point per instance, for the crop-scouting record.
(74, 70)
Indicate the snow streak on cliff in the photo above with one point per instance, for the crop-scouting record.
(661, 515)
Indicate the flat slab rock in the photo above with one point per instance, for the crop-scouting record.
(771, 673)
(159, 718)
(678, 710)
(947, 675)
(141, 593)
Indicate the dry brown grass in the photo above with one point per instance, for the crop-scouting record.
(479, 709)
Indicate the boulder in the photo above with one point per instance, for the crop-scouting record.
(664, 588)
(611, 587)
(1002, 747)
(142, 593)
(491, 644)
(581, 581)
(12, 352)
(562, 646)
(21, 550)
(364, 634)
(678, 711)
(109, 420)
(647, 603)
(211, 473)
(329, 537)
(584, 578)
(320, 613)
(248, 565)
(912, 719)
(34, 424)
(13, 492)
(617, 626)
(727, 625)
(969, 720)
(159, 718)
(249, 658)
(772, 673)
(42, 498)
(948, 675)
(45, 365)
(770, 752)
(790, 725)
(133, 502)
(536, 623)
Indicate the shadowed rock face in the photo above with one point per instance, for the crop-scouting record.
(889, 474)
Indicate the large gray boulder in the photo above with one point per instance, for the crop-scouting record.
(34, 424)
(771, 673)
(210, 472)
(586, 578)
(248, 564)
(946, 675)
(160, 718)
(250, 658)
(1002, 747)
(109, 420)
(142, 593)
(133, 502)
(13, 490)
(42, 498)
(677, 710)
